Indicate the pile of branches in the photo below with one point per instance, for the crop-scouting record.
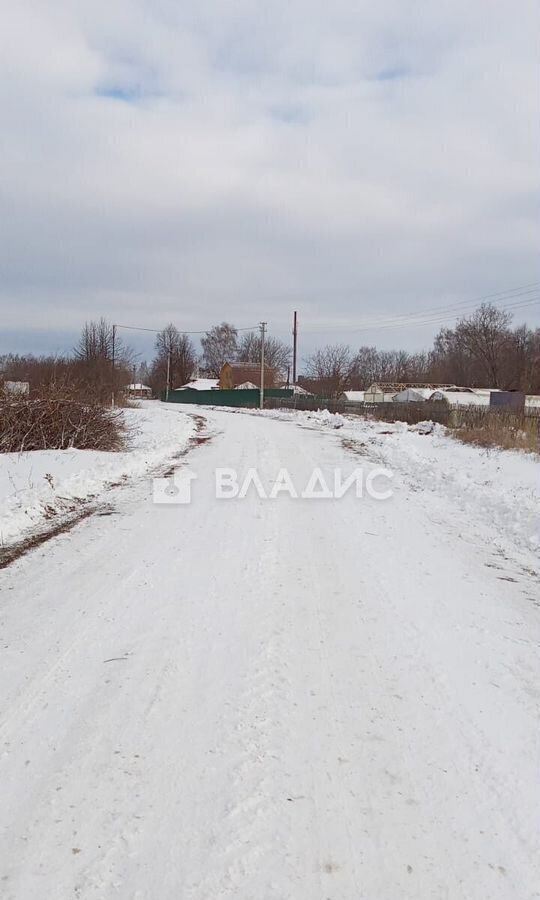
(58, 423)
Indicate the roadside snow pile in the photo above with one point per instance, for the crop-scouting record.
(324, 417)
(38, 485)
(500, 488)
(428, 427)
(314, 417)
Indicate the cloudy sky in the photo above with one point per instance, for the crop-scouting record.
(194, 162)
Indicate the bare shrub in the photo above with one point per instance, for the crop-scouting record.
(58, 421)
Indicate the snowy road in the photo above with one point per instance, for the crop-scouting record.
(261, 700)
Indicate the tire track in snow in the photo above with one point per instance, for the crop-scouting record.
(250, 746)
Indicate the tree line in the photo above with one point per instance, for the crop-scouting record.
(101, 361)
(481, 350)
(219, 345)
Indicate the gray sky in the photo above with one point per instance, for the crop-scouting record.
(193, 162)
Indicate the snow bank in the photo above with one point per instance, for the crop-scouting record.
(500, 488)
(34, 486)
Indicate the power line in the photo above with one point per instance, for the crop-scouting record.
(462, 305)
(434, 320)
(434, 314)
(431, 317)
(508, 294)
(159, 330)
(510, 299)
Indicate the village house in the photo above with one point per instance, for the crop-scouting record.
(235, 374)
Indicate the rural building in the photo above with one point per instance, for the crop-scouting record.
(460, 398)
(139, 390)
(17, 388)
(353, 396)
(297, 389)
(451, 394)
(405, 392)
(413, 395)
(234, 374)
(200, 384)
(382, 393)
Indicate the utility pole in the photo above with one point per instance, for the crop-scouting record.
(295, 336)
(261, 393)
(113, 373)
(168, 374)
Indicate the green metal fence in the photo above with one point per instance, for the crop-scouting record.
(246, 398)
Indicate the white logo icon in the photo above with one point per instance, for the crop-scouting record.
(174, 490)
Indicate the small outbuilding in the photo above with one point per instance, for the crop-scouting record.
(200, 384)
(382, 393)
(462, 396)
(353, 396)
(16, 388)
(413, 395)
(140, 391)
(297, 390)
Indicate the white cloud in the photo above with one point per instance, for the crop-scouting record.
(223, 160)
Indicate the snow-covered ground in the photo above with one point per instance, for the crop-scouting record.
(278, 699)
(499, 488)
(38, 486)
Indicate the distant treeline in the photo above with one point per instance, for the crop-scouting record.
(482, 350)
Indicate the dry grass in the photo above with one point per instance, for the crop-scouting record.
(506, 432)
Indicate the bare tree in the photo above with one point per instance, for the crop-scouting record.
(219, 345)
(485, 336)
(96, 348)
(331, 368)
(477, 350)
(365, 368)
(98, 340)
(175, 351)
(276, 353)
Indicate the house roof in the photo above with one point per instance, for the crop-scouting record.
(414, 393)
(138, 387)
(200, 384)
(462, 398)
(384, 387)
(354, 396)
(295, 388)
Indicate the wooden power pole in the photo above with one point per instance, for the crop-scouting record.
(295, 337)
(261, 392)
(113, 365)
